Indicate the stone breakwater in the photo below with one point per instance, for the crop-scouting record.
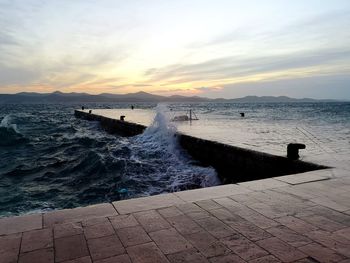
(233, 164)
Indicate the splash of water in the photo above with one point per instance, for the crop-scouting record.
(9, 134)
(167, 166)
(6, 123)
(161, 134)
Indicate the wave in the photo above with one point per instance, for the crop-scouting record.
(6, 123)
(70, 162)
(167, 167)
(9, 134)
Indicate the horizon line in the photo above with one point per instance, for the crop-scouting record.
(169, 96)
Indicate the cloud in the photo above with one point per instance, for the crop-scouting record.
(186, 91)
(236, 35)
(312, 29)
(318, 43)
(322, 86)
(241, 66)
(170, 91)
(208, 89)
(141, 85)
(76, 44)
(17, 76)
(39, 44)
(6, 39)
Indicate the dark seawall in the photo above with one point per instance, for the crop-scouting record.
(233, 164)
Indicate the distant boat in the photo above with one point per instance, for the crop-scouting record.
(189, 116)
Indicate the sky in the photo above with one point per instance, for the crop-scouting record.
(221, 48)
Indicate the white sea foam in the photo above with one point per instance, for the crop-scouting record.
(160, 135)
(6, 123)
(159, 145)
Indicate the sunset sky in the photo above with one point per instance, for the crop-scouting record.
(298, 48)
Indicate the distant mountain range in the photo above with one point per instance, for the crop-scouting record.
(60, 97)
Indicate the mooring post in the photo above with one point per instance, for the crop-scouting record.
(122, 117)
(293, 150)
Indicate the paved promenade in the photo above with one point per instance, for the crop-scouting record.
(295, 218)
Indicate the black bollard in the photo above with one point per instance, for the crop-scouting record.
(132, 107)
(122, 117)
(90, 111)
(293, 150)
(82, 108)
(242, 114)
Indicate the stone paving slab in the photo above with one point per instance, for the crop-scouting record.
(263, 184)
(301, 178)
(146, 203)
(18, 224)
(211, 192)
(72, 247)
(105, 247)
(37, 239)
(77, 214)
(270, 220)
(38, 256)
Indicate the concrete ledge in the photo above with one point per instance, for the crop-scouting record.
(11, 225)
(146, 203)
(113, 126)
(312, 176)
(340, 172)
(79, 213)
(233, 164)
(263, 184)
(211, 192)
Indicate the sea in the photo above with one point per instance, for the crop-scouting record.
(51, 160)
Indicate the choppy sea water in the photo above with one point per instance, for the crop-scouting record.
(51, 160)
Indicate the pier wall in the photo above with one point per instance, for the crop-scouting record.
(233, 164)
(112, 126)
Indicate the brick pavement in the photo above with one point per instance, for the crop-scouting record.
(295, 218)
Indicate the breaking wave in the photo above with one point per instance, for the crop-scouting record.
(9, 134)
(167, 166)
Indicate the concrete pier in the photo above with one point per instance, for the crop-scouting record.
(233, 164)
(112, 125)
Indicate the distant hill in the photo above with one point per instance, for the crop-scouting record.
(60, 97)
(266, 99)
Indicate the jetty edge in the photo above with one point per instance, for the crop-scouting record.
(233, 164)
